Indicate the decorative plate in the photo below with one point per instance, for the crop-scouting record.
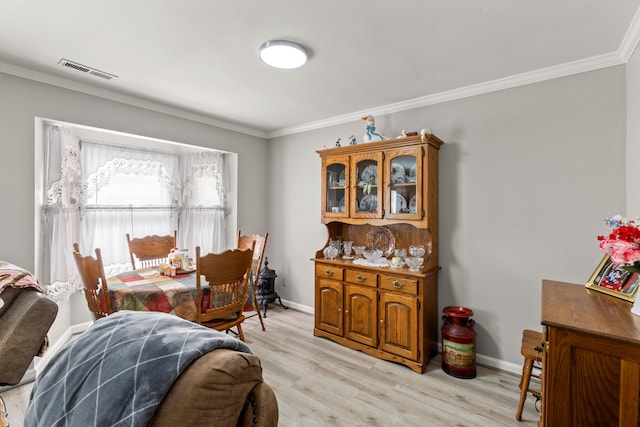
(368, 172)
(381, 238)
(412, 171)
(342, 180)
(369, 203)
(413, 205)
(397, 174)
(397, 169)
(401, 204)
(341, 205)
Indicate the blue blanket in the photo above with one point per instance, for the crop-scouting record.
(118, 371)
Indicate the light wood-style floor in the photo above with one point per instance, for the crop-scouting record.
(320, 383)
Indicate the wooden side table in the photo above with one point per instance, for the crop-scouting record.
(591, 373)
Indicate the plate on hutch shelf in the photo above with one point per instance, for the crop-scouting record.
(381, 238)
(369, 172)
(341, 179)
(413, 205)
(401, 203)
(369, 203)
(397, 174)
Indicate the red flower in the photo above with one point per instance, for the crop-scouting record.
(626, 233)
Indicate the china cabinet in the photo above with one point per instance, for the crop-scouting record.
(383, 195)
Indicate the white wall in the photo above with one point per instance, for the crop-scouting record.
(526, 177)
(22, 100)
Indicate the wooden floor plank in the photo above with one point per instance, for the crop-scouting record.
(320, 383)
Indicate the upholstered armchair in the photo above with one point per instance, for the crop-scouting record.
(25, 318)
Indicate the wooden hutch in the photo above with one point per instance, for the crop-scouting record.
(386, 188)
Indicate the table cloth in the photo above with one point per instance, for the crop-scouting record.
(145, 289)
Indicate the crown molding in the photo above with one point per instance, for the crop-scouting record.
(543, 74)
(622, 56)
(134, 101)
(631, 38)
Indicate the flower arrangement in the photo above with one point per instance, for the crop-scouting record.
(623, 244)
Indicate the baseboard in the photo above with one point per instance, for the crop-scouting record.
(298, 307)
(57, 346)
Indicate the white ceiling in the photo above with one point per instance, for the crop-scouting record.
(371, 56)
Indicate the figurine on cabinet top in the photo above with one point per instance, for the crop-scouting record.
(370, 134)
(338, 142)
(352, 140)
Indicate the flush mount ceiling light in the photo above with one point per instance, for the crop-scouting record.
(283, 54)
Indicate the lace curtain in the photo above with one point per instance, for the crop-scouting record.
(61, 215)
(204, 201)
(97, 193)
(126, 191)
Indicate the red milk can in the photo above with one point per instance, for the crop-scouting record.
(458, 342)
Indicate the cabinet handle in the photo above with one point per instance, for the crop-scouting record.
(397, 284)
(361, 278)
(329, 273)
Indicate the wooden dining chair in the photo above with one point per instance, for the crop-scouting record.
(227, 274)
(244, 242)
(94, 282)
(150, 251)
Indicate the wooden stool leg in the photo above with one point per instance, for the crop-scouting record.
(257, 308)
(524, 385)
(4, 420)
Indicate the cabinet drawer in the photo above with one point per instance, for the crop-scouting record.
(329, 271)
(401, 284)
(361, 278)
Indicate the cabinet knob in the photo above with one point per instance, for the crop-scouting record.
(329, 273)
(361, 278)
(397, 284)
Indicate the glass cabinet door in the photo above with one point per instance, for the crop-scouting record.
(404, 182)
(334, 187)
(366, 178)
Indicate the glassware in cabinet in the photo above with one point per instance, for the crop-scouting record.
(335, 187)
(403, 179)
(366, 174)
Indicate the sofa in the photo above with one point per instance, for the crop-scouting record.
(222, 388)
(25, 318)
(152, 369)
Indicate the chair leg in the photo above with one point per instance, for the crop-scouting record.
(524, 385)
(240, 334)
(257, 308)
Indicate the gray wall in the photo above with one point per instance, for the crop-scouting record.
(526, 177)
(633, 135)
(22, 100)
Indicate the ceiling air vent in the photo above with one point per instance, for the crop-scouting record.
(84, 69)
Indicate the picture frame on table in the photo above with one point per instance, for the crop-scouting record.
(612, 280)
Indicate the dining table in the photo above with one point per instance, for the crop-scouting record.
(146, 289)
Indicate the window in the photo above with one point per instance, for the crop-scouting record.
(95, 193)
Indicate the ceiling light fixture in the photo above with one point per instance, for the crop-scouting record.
(283, 54)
